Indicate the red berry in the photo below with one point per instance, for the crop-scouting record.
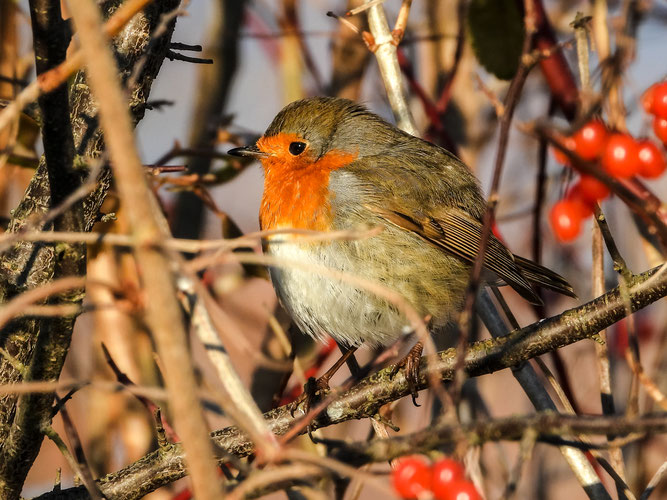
(496, 232)
(651, 160)
(591, 189)
(659, 101)
(621, 155)
(584, 206)
(566, 216)
(460, 490)
(445, 472)
(590, 140)
(561, 157)
(411, 477)
(647, 99)
(660, 129)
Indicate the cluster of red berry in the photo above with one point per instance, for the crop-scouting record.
(414, 477)
(619, 154)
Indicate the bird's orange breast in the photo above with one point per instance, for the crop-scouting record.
(296, 188)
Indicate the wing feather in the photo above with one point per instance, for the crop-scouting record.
(460, 235)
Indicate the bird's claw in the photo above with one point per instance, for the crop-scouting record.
(314, 390)
(411, 366)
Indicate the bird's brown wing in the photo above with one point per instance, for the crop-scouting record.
(460, 235)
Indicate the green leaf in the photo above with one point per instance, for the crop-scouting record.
(496, 31)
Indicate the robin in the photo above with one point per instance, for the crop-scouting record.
(330, 164)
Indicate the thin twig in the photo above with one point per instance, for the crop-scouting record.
(275, 478)
(146, 401)
(175, 56)
(534, 389)
(75, 443)
(448, 85)
(237, 402)
(621, 486)
(15, 306)
(525, 452)
(365, 7)
(401, 21)
(190, 246)
(651, 388)
(655, 480)
(511, 100)
(600, 231)
(51, 433)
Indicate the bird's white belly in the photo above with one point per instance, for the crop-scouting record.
(324, 305)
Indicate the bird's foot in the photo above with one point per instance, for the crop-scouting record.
(314, 390)
(411, 365)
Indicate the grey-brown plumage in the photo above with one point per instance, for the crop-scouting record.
(426, 200)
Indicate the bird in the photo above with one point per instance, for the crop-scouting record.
(332, 165)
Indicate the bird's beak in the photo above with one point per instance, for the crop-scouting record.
(247, 151)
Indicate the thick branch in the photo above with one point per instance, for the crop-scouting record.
(364, 399)
(50, 41)
(17, 453)
(30, 264)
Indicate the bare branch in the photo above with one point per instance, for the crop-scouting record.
(41, 344)
(383, 46)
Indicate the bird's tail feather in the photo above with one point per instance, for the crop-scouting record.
(543, 277)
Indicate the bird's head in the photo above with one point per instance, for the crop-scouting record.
(306, 141)
(321, 133)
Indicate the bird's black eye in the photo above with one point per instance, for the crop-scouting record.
(296, 148)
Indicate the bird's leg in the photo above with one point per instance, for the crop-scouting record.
(350, 360)
(411, 363)
(315, 388)
(322, 383)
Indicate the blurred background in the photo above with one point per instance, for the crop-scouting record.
(267, 53)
